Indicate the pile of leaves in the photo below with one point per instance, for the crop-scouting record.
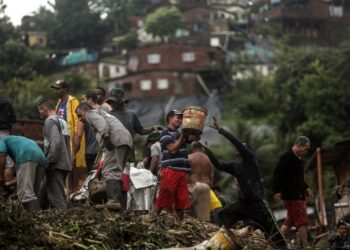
(85, 227)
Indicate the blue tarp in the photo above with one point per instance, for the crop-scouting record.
(78, 56)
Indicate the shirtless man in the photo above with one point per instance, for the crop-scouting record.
(200, 180)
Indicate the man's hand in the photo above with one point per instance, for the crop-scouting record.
(157, 127)
(108, 143)
(215, 124)
(277, 196)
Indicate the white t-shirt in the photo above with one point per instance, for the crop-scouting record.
(156, 150)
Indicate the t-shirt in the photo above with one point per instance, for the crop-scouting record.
(179, 160)
(130, 121)
(62, 110)
(156, 150)
(22, 149)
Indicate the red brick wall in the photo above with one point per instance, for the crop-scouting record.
(30, 129)
(179, 83)
(194, 16)
(171, 57)
(89, 69)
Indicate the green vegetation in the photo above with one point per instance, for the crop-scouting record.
(306, 96)
(163, 22)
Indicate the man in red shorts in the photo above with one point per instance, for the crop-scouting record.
(173, 192)
(289, 185)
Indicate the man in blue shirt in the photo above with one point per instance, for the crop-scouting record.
(173, 191)
(30, 166)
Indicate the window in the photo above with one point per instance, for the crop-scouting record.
(127, 86)
(153, 58)
(39, 41)
(211, 56)
(162, 84)
(105, 71)
(145, 84)
(133, 63)
(188, 57)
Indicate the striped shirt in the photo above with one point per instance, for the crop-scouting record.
(177, 161)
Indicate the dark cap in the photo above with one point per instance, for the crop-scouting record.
(117, 96)
(172, 113)
(60, 84)
(155, 136)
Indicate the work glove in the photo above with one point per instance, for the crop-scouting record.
(109, 144)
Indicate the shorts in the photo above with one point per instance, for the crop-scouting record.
(173, 190)
(296, 215)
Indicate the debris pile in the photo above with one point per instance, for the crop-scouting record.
(85, 227)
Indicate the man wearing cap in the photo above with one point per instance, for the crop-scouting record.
(127, 117)
(117, 142)
(65, 109)
(173, 192)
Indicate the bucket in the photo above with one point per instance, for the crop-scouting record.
(193, 120)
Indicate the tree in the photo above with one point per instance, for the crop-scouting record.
(115, 12)
(313, 92)
(17, 61)
(72, 24)
(28, 94)
(45, 20)
(129, 41)
(7, 31)
(163, 22)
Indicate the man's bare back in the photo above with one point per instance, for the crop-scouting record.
(201, 168)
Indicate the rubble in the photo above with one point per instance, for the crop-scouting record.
(85, 227)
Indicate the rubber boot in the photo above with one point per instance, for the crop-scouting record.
(113, 190)
(32, 205)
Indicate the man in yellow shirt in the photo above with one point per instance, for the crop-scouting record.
(65, 109)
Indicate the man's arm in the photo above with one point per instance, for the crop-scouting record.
(155, 156)
(174, 147)
(2, 167)
(154, 163)
(54, 140)
(77, 137)
(228, 167)
(237, 143)
(278, 178)
(211, 176)
(140, 129)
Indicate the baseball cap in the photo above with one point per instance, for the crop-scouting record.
(173, 112)
(60, 84)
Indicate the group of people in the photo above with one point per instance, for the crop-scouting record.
(76, 134)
